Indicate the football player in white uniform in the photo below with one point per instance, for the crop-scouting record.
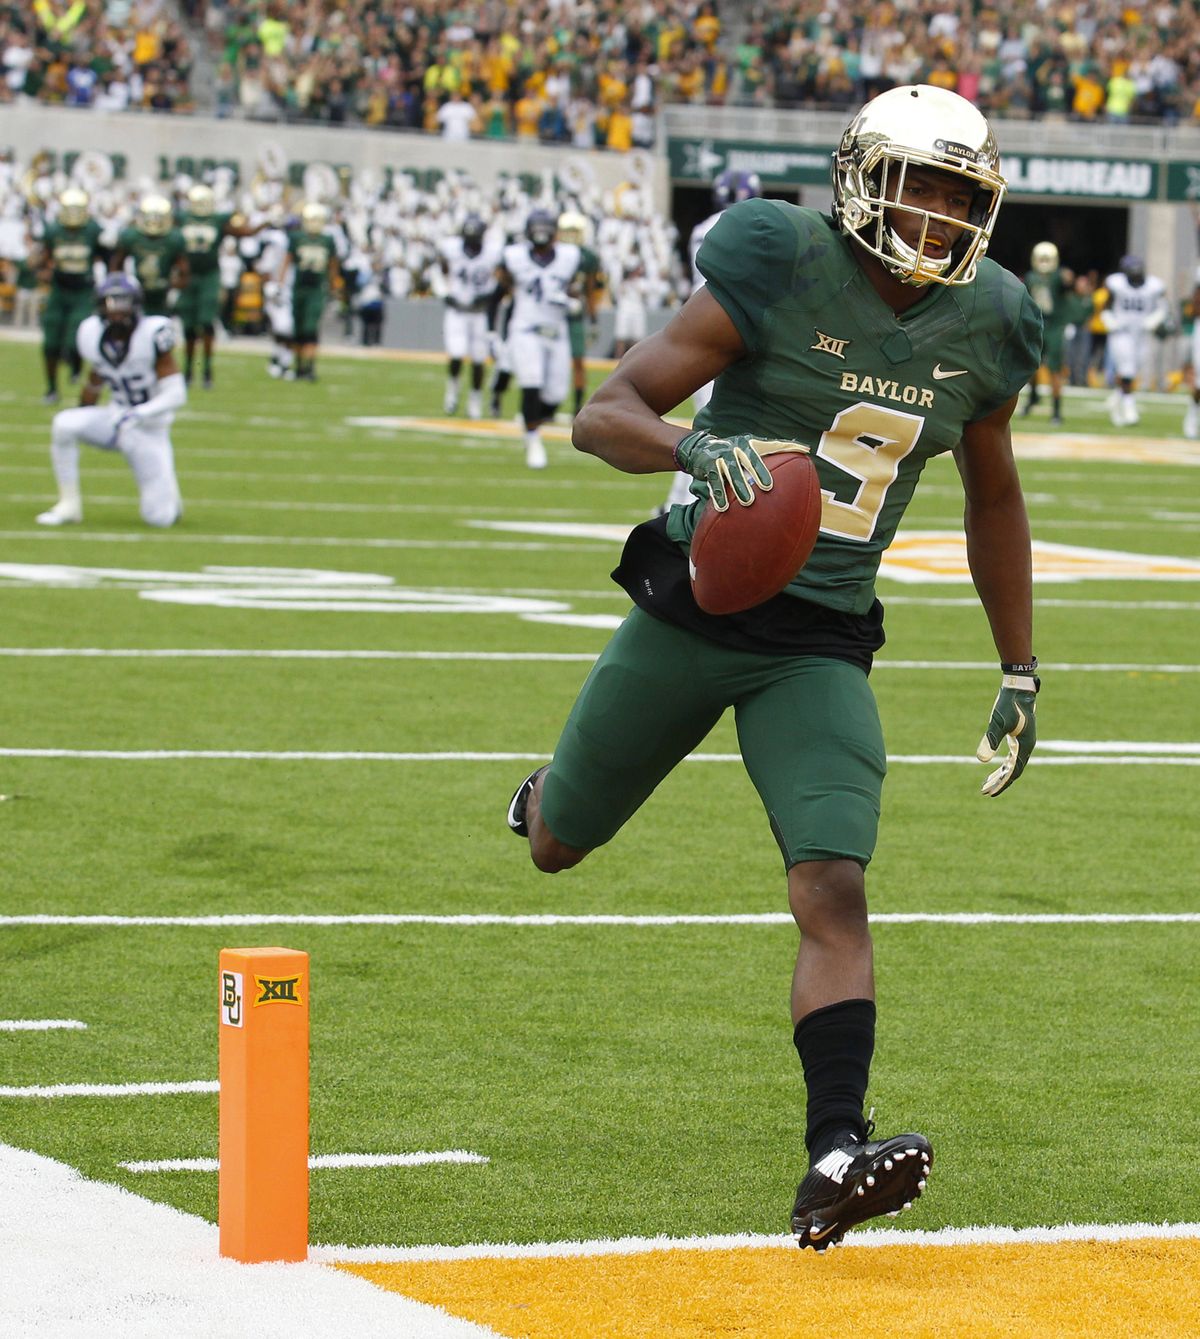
(728, 189)
(277, 297)
(1137, 305)
(133, 355)
(538, 272)
(469, 263)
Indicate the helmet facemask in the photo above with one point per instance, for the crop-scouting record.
(73, 208)
(900, 131)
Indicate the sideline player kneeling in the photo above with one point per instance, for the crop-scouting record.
(134, 356)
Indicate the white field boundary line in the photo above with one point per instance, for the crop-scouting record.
(112, 1089)
(86, 1258)
(550, 920)
(301, 653)
(1091, 754)
(313, 541)
(947, 1236)
(41, 1025)
(320, 1162)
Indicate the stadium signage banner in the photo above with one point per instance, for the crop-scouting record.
(782, 165)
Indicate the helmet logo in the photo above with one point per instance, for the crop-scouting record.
(955, 150)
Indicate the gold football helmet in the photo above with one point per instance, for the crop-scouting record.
(73, 207)
(1045, 258)
(154, 215)
(572, 227)
(313, 218)
(917, 125)
(201, 200)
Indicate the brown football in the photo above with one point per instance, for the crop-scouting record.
(744, 555)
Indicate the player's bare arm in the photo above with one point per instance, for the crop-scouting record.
(622, 423)
(997, 530)
(165, 365)
(90, 394)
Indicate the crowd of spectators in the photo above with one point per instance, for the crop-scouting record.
(591, 75)
(115, 56)
(1086, 60)
(595, 73)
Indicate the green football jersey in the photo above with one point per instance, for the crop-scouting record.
(154, 257)
(1049, 293)
(311, 254)
(872, 394)
(72, 252)
(202, 241)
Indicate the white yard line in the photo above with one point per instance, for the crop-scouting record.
(947, 1236)
(41, 1025)
(551, 920)
(303, 653)
(1164, 755)
(112, 1089)
(300, 541)
(82, 1258)
(320, 1162)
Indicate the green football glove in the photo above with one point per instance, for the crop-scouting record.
(720, 463)
(1013, 719)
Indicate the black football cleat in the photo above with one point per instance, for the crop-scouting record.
(519, 801)
(858, 1181)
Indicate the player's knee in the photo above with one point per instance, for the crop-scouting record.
(161, 512)
(828, 899)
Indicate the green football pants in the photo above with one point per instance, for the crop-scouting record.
(807, 727)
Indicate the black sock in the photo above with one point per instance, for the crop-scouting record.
(1058, 406)
(578, 399)
(835, 1045)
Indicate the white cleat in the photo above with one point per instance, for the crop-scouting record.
(62, 513)
(1132, 417)
(535, 454)
(475, 405)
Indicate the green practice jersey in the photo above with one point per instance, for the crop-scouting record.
(872, 394)
(202, 241)
(311, 255)
(72, 252)
(1049, 293)
(154, 258)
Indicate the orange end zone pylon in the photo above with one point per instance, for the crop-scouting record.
(263, 1189)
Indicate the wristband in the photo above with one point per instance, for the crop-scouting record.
(687, 437)
(1025, 667)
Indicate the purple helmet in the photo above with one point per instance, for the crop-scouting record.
(730, 187)
(119, 300)
(541, 227)
(1134, 269)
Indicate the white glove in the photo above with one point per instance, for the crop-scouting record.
(1070, 331)
(1108, 320)
(1153, 321)
(271, 291)
(574, 306)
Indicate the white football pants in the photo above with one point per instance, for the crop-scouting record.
(145, 445)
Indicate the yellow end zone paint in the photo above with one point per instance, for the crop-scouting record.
(1134, 1289)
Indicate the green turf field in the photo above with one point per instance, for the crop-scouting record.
(621, 1079)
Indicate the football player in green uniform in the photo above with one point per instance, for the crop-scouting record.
(156, 248)
(878, 337)
(584, 298)
(202, 229)
(1050, 287)
(314, 254)
(67, 255)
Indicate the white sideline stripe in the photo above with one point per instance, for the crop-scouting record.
(314, 541)
(41, 1024)
(82, 1258)
(318, 1162)
(1164, 755)
(946, 1236)
(240, 653)
(551, 919)
(113, 1089)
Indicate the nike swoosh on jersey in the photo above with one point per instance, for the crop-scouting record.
(939, 374)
